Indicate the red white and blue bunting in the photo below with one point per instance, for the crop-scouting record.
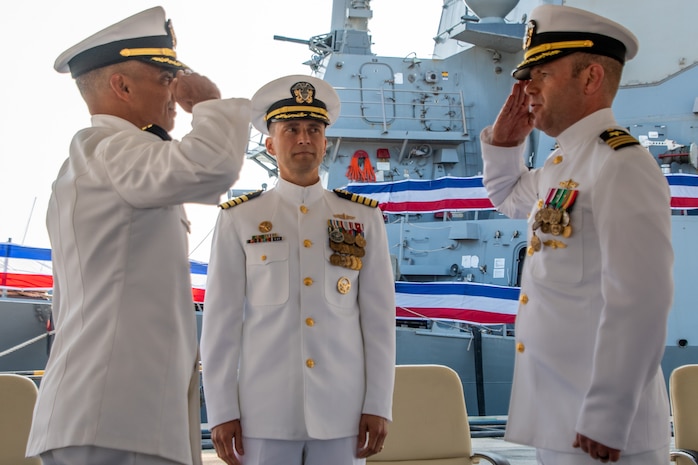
(25, 268)
(468, 194)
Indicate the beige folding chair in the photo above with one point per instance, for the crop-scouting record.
(17, 398)
(683, 392)
(430, 422)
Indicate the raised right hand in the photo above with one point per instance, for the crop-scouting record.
(514, 122)
(192, 88)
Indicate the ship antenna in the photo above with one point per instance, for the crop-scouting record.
(26, 228)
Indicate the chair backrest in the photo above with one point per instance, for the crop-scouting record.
(430, 422)
(683, 392)
(17, 399)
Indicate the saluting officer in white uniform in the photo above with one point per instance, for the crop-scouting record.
(591, 325)
(121, 383)
(298, 340)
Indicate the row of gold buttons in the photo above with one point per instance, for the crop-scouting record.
(523, 299)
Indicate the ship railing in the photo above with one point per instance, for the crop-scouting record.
(403, 110)
(420, 321)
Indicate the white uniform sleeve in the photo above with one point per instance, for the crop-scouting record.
(377, 309)
(198, 169)
(221, 336)
(631, 206)
(510, 185)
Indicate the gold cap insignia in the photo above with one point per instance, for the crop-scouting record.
(530, 31)
(303, 92)
(170, 28)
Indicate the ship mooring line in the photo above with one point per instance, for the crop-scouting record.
(26, 343)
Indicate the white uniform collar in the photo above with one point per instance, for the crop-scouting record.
(111, 121)
(298, 194)
(585, 129)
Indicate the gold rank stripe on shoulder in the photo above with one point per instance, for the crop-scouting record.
(618, 138)
(238, 200)
(345, 194)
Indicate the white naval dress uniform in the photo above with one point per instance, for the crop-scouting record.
(311, 358)
(125, 349)
(591, 324)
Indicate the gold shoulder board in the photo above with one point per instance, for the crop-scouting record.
(345, 194)
(618, 138)
(238, 200)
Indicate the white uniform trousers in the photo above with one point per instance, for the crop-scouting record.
(340, 451)
(91, 455)
(551, 457)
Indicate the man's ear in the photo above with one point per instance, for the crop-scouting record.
(595, 77)
(119, 85)
(269, 144)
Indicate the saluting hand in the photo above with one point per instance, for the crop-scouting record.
(192, 88)
(514, 122)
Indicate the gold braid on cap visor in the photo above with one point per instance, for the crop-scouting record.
(315, 112)
(556, 46)
(542, 51)
(135, 52)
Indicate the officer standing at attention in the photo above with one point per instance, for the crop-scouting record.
(591, 325)
(121, 383)
(298, 339)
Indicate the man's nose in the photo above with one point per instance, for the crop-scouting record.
(303, 136)
(530, 87)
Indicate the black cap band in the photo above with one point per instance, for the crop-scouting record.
(549, 46)
(155, 50)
